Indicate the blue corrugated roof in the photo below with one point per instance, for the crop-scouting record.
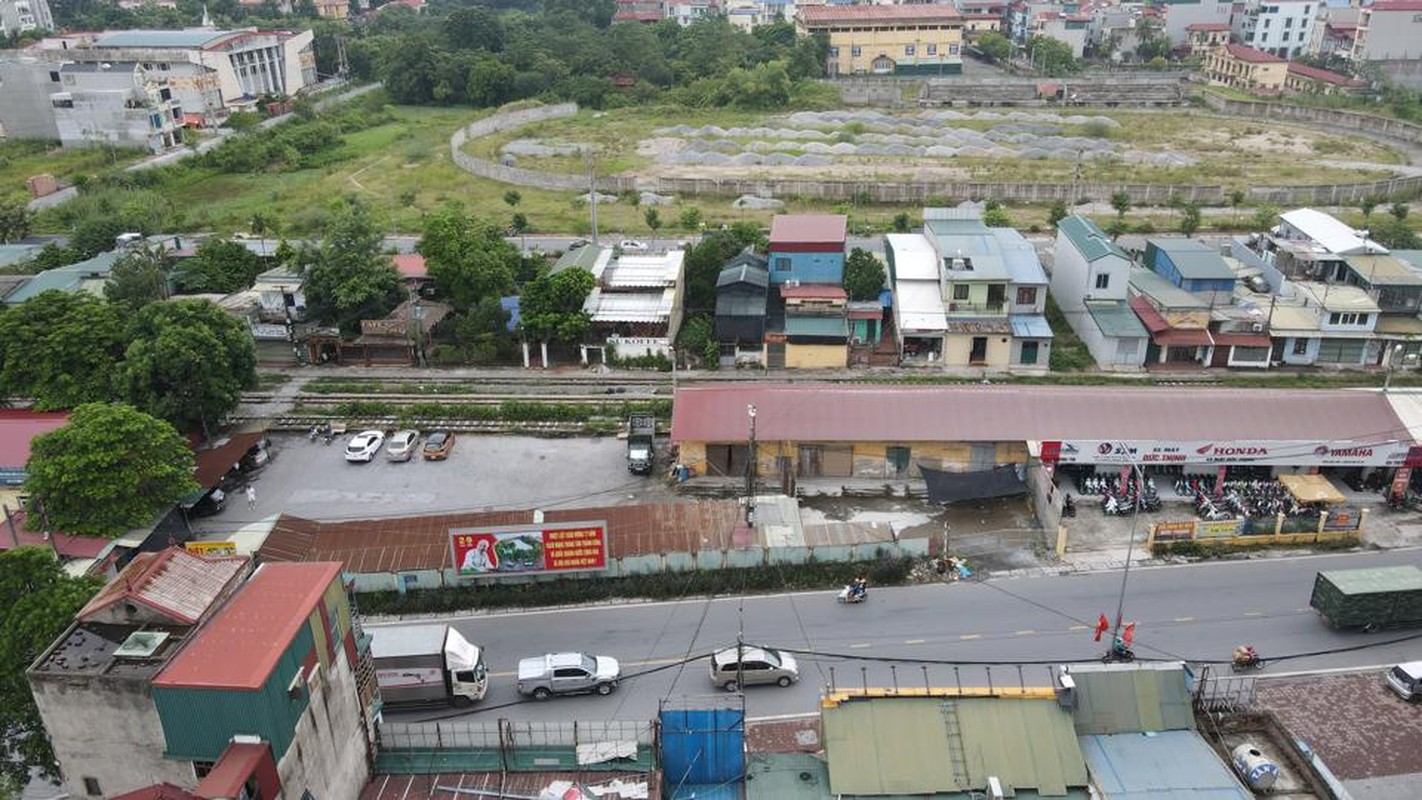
(1030, 326)
(187, 38)
(1164, 765)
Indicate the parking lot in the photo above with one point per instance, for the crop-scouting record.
(313, 480)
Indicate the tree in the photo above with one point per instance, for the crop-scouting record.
(138, 278)
(863, 275)
(1056, 213)
(38, 600)
(1190, 219)
(469, 259)
(902, 222)
(1121, 201)
(1366, 205)
(1399, 211)
(653, 219)
(14, 220)
(704, 262)
(1264, 216)
(60, 350)
(187, 362)
(347, 279)
(995, 216)
(691, 218)
(111, 468)
(1051, 56)
(1152, 41)
(1236, 199)
(1394, 233)
(97, 235)
(512, 198)
(995, 46)
(220, 266)
(551, 307)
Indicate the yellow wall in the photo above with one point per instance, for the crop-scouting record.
(957, 348)
(873, 43)
(816, 356)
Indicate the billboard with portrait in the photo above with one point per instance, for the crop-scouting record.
(527, 549)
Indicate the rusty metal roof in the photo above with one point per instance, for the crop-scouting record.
(410, 543)
(176, 583)
(807, 412)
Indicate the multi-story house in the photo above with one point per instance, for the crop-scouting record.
(1389, 30)
(1071, 29)
(120, 104)
(807, 248)
(1179, 16)
(1090, 277)
(18, 16)
(887, 40)
(1280, 27)
(686, 12)
(1194, 266)
(1203, 37)
(1246, 69)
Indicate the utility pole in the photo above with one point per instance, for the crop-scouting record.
(592, 193)
(750, 470)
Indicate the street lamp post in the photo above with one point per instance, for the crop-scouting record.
(1130, 549)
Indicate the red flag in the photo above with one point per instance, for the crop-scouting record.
(1101, 625)
(1128, 633)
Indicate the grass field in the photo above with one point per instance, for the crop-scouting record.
(21, 160)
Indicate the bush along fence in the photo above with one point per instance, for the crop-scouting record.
(926, 192)
(434, 591)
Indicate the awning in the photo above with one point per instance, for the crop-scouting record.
(1242, 339)
(1311, 489)
(1183, 337)
(213, 464)
(1399, 326)
(1030, 326)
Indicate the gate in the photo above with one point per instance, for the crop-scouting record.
(703, 750)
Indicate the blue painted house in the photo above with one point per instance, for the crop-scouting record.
(807, 248)
(1193, 266)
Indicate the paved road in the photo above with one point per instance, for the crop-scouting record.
(1192, 612)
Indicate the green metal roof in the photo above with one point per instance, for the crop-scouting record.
(1375, 579)
(1141, 697)
(1090, 239)
(1115, 318)
(584, 257)
(816, 326)
(67, 279)
(804, 776)
(917, 746)
(11, 254)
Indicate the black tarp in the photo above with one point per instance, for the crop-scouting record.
(950, 487)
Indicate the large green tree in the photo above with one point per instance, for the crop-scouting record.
(138, 278)
(60, 349)
(37, 602)
(15, 219)
(469, 259)
(1051, 56)
(112, 467)
(995, 46)
(863, 275)
(220, 266)
(187, 362)
(551, 307)
(703, 266)
(347, 278)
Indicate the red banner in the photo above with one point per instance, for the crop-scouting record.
(521, 549)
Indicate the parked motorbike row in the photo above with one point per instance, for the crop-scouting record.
(1118, 498)
(1241, 498)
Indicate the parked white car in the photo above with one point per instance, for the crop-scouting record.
(567, 673)
(402, 445)
(364, 445)
(632, 244)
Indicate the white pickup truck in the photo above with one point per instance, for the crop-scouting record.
(567, 673)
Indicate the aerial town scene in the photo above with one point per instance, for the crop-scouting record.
(711, 399)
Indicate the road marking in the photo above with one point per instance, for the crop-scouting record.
(1184, 619)
(968, 636)
(1254, 613)
(1079, 628)
(913, 641)
(861, 645)
(1027, 632)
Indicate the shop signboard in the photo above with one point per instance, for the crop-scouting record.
(1302, 453)
(1219, 529)
(529, 549)
(211, 548)
(1342, 518)
(1174, 531)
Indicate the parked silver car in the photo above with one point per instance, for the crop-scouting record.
(402, 445)
(735, 667)
(567, 673)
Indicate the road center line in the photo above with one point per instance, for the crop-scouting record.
(1079, 628)
(860, 646)
(1184, 619)
(968, 636)
(913, 641)
(1254, 613)
(1027, 632)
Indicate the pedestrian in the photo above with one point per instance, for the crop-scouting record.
(251, 496)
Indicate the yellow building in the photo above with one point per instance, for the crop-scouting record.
(1246, 69)
(888, 40)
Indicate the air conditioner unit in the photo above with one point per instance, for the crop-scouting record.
(1257, 327)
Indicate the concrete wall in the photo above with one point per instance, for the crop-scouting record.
(957, 348)
(328, 752)
(106, 729)
(25, 110)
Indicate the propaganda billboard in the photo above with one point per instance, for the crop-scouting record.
(529, 549)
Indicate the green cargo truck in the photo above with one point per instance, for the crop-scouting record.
(1369, 599)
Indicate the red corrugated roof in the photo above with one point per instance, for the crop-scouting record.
(806, 291)
(1323, 75)
(1251, 55)
(1242, 339)
(212, 464)
(1183, 337)
(809, 228)
(238, 647)
(992, 413)
(406, 543)
(411, 265)
(18, 426)
(900, 14)
(233, 768)
(64, 544)
(1149, 316)
(1395, 5)
(174, 582)
(1207, 26)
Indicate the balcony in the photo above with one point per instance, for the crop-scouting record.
(965, 309)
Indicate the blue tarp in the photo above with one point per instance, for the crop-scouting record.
(702, 748)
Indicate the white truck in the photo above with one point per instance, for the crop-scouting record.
(567, 673)
(422, 664)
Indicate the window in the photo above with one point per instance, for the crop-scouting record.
(1288, 22)
(1301, 36)
(960, 291)
(952, 49)
(1337, 318)
(1029, 353)
(1300, 347)
(1103, 280)
(91, 787)
(854, 50)
(63, 102)
(569, 672)
(933, 49)
(201, 769)
(834, 52)
(1026, 295)
(898, 458)
(910, 49)
(54, 76)
(782, 265)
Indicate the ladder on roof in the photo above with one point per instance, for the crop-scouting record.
(957, 753)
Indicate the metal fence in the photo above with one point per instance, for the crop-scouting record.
(1216, 692)
(510, 734)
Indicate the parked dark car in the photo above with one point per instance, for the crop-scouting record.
(438, 444)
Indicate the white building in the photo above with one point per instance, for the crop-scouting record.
(1090, 279)
(18, 16)
(1281, 27)
(1181, 14)
(1389, 30)
(636, 305)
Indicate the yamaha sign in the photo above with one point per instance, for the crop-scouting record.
(1262, 452)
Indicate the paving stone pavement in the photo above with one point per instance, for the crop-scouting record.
(1352, 721)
